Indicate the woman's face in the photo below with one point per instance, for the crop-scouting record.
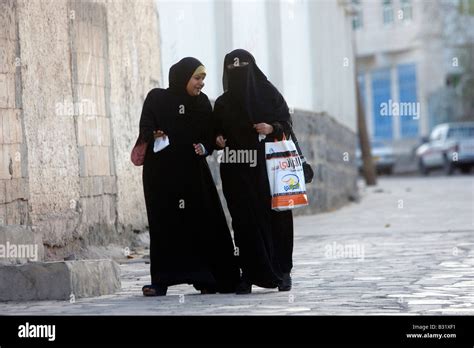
(195, 84)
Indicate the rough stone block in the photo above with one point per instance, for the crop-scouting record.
(81, 131)
(85, 185)
(17, 212)
(98, 186)
(103, 125)
(2, 112)
(14, 160)
(98, 43)
(7, 91)
(4, 162)
(14, 123)
(3, 214)
(7, 56)
(83, 34)
(92, 137)
(2, 191)
(91, 208)
(100, 101)
(96, 160)
(59, 280)
(15, 189)
(110, 185)
(7, 18)
(86, 73)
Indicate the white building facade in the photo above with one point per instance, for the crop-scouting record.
(403, 57)
(303, 46)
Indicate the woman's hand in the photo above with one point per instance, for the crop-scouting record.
(158, 134)
(263, 128)
(199, 149)
(220, 141)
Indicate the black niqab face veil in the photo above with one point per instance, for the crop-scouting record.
(249, 90)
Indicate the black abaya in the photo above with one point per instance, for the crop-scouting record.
(189, 238)
(264, 236)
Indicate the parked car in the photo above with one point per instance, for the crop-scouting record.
(450, 146)
(382, 156)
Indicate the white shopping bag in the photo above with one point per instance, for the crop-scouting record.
(285, 175)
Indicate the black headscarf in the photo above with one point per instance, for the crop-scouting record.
(250, 91)
(173, 110)
(179, 76)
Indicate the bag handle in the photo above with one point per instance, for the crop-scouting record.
(283, 138)
(295, 140)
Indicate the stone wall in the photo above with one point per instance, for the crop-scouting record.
(330, 148)
(14, 191)
(73, 77)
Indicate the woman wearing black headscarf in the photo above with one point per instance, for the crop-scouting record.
(189, 238)
(249, 113)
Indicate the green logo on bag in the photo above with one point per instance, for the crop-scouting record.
(291, 181)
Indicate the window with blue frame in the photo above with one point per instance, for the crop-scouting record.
(381, 95)
(408, 100)
(357, 19)
(407, 9)
(387, 8)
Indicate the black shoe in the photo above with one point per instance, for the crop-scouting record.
(285, 284)
(244, 287)
(208, 291)
(154, 290)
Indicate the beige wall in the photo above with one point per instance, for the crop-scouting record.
(13, 155)
(69, 109)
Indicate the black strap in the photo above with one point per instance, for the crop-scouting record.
(295, 140)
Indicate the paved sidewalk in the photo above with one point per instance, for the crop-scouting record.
(406, 248)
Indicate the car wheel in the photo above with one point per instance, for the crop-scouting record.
(422, 168)
(448, 167)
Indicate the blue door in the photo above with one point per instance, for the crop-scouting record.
(408, 100)
(380, 103)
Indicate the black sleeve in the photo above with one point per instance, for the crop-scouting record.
(217, 128)
(280, 127)
(147, 119)
(207, 130)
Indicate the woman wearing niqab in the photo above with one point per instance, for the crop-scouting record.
(190, 241)
(249, 113)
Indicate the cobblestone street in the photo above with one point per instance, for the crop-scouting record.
(406, 248)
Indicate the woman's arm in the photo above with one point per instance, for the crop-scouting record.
(147, 120)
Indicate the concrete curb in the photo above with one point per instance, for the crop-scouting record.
(63, 280)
